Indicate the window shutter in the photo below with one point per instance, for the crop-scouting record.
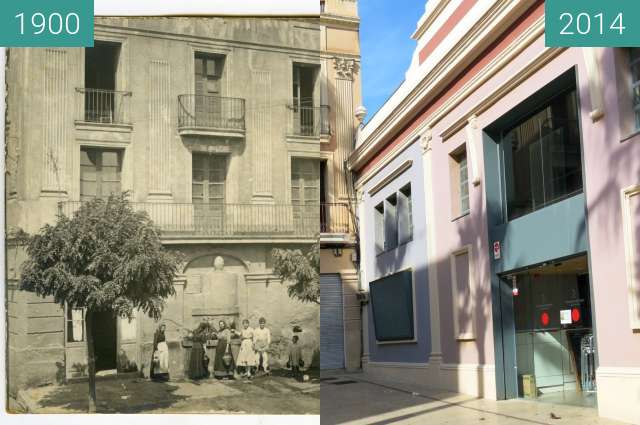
(391, 223)
(379, 227)
(403, 219)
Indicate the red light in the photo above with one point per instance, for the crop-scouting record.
(575, 314)
(544, 318)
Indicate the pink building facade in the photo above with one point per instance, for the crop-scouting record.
(499, 209)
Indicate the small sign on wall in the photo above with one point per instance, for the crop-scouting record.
(496, 250)
(565, 317)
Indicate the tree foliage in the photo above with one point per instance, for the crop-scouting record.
(105, 257)
(301, 270)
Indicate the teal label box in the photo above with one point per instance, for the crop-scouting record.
(592, 23)
(46, 23)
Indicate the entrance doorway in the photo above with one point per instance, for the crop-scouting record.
(555, 348)
(105, 340)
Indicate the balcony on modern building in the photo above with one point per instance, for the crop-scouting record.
(206, 115)
(335, 223)
(217, 221)
(308, 122)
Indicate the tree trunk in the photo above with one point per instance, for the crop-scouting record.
(91, 364)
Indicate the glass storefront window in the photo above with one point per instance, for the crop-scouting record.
(542, 157)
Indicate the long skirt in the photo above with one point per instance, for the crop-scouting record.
(247, 356)
(223, 368)
(197, 369)
(160, 363)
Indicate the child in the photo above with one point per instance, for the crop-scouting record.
(247, 355)
(295, 357)
(261, 341)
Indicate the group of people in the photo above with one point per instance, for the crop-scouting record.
(228, 362)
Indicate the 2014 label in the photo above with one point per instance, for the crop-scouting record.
(583, 23)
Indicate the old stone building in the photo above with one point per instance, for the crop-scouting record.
(213, 126)
(340, 52)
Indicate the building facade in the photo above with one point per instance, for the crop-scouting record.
(341, 336)
(213, 126)
(499, 207)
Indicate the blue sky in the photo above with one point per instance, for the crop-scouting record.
(386, 46)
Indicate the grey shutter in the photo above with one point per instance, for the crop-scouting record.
(379, 228)
(390, 223)
(331, 323)
(404, 221)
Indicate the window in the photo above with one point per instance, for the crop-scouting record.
(635, 82)
(392, 307)
(102, 103)
(393, 220)
(208, 90)
(306, 118)
(542, 157)
(75, 324)
(459, 182)
(209, 175)
(100, 172)
(405, 218)
(378, 218)
(462, 294)
(305, 192)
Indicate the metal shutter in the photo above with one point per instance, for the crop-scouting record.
(331, 325)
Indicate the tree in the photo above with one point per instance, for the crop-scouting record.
(106, 257)
(302, 270)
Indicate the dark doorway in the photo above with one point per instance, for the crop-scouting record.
(104, 340)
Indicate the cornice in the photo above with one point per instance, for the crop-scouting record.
(348, 22)
(476, 40)
(125, 32)
(531, 67)
(424, 26)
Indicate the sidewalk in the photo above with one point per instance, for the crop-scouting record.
(355, 399)
(263, 395)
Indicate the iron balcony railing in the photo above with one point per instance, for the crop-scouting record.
(211, 112)
(226, 220)
(102, 106)
(309, 120)
(335, 218)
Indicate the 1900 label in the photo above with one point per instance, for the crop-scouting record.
(46, 23)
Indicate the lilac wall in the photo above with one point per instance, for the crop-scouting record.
(411, 255)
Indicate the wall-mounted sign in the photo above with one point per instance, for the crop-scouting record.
(544, 318)
(496, 250)
(565, 317)
(575, 314)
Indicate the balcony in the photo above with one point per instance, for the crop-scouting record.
(335, 222)
(226, 221)
(202, 115)
(103, 107)
(309, 121)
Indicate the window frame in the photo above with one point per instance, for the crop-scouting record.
(468, 335)
(456, 158)
(98, 171)
(68, 310)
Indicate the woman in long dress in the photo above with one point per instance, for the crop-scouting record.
(159, 370)
(223, 364)
(247, 355)
(197, 368)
